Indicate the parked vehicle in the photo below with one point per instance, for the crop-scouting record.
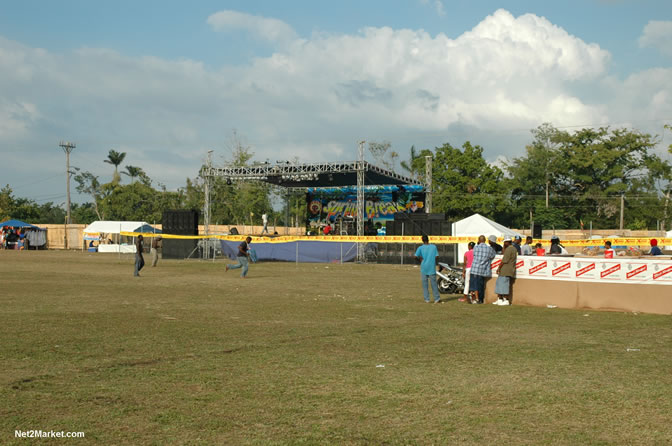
(449, 279)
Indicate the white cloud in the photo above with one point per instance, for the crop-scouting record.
(272, 30)
(437, 5)
(316, 98)
(657, 34)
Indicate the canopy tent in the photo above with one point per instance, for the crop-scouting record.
(37, 237)
(115, 227)
(18, 224)
(478, 225)
(95, 229)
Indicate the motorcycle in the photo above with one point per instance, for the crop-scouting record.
(449, 279)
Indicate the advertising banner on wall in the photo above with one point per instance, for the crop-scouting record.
(592, 269)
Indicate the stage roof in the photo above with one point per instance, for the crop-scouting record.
(311, 175)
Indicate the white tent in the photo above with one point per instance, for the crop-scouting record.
(95, 229)
(473, 227)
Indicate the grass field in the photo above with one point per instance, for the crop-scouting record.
(189, 354)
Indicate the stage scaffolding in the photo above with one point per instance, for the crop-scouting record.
(290, 175)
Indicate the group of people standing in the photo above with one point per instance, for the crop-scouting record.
(13, 238)
(478, 266)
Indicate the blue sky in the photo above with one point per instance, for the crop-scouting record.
(166, 81)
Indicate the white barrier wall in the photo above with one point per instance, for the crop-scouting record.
(626, 270)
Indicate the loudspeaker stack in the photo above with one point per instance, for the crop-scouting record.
(179, 222)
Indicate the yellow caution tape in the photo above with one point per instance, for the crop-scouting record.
(436, 239)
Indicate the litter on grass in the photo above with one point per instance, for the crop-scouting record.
(380, 366)
(632, 349)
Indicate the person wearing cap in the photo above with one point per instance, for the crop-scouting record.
(655, 250)
(428, 255)
(556, 248)
(516, 243)
(506, 271)
(527, 249)
(492, 240)
(481, 269)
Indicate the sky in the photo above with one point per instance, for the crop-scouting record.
(167, 81)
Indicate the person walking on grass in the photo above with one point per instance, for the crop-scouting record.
(264, 220)
(139, 259)
(480, 269)
(156, 246)
(428, 255)
(243, 258)
(506, 271)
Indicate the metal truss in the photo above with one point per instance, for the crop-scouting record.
(300, 172)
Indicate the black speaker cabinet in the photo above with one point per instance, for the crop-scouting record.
(178, 248)
(536, 231)
(180, 222)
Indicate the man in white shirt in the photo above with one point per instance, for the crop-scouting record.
(264, 219)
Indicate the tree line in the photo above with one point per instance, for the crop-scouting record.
(563, 180)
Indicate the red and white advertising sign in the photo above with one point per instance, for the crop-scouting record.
(610, 271)
(662, 273)
(594, 269)
(585, 270)
(636, 272)
(561, 269)
(538, 268)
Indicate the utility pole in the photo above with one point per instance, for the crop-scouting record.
(622, 208)
(206, 188)
(428, 184)
(206, 204)
(67, 148)
(547, 183)
(360, 200)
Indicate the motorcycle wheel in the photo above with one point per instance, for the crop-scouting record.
(445, 287)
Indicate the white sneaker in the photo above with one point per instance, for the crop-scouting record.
(504, 303)
(497, 302)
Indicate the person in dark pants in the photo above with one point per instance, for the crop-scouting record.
(243, 257)
(139, 259)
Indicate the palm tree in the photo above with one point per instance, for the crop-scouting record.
(115, 158)
(133, 172)
(408, 165)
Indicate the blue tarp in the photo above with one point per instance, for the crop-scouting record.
(148, 229)
(311, 252)
(17, 224)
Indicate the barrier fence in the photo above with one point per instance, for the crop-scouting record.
(436, 239)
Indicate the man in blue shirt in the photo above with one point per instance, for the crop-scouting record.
(428, 255)
(481, 269)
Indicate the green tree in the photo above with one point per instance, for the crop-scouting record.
(133, 172)
(533, 181)
(464, 183)
(584, 174)
(115, 158)
(415, 165)
(87, 183)
(6, 203)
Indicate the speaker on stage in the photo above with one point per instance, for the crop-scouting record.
(536, 231)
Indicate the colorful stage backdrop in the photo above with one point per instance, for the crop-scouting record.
(327, 205)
